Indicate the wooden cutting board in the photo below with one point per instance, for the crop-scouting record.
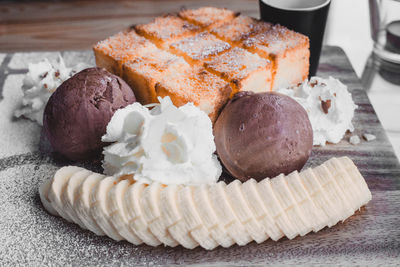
(28, 235)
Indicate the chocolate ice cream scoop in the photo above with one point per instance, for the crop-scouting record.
(77, 114)
(262, 135)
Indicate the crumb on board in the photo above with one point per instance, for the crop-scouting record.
(368, 137)
(354, 140)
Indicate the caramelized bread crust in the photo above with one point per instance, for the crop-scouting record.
(210, 94)
(208, 17)
(204, 56)
(112, 52)
(166, 30)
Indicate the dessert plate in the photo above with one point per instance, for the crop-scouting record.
(30, 236)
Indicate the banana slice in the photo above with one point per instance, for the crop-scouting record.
(99, 207)
(58, 186)
(192, 218)
(321, 200)
(267, 194)
(317, 218)
(118, 213)
(352, 193)
(348, 165)
(82, 204)
(135, 215)
(355, 195)
(176, 227)
(256, 230)
(68, 197)
(150, 202)
(226, 216)
(333, 191)
(262, 213)
(44, 193)
(208, 216)
(289, 205)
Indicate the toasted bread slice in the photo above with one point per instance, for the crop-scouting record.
(145, 71)
(240, 28)
(244, 70)
(288, 50)
(203, 89)
(208, 17)
(166, 30)
(198, 48)
(204, 56)
(112, 52)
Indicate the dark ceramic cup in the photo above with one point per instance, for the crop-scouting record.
(304, 16)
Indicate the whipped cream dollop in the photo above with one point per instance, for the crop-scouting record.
(40, 82)
(329, 105)
(166, 144)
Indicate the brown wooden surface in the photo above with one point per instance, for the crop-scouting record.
(66, 25)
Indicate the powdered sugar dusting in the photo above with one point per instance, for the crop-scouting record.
(200, 46)
(207, 16)
(166, 27)
(236, 63)
(241, 28)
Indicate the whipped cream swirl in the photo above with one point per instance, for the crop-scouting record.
(40, 82)
(329, 105)
(167, 144)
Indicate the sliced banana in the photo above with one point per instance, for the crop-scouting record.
(321, 200)
(208, 216)
(351, 192)
(274, 207)
(317, 218)
(243, 212)
(58, 186)
(150, 202)
(192, 218)
(333, 191)
(289, 205)
(359, 181)
(135, 215)
(226, 215)
(118, 213)
(44, 193)
(68, 197)
(262, 213)
(176, 227)
(82, 204)
(99, 207)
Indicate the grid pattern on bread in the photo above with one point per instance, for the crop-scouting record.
(166, 29)
(240, 28)
(199, 47)
(239, 52)
(208, 16)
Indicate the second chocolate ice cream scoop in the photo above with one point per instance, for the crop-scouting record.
(263, 135)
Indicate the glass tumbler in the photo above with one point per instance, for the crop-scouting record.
(385, 29)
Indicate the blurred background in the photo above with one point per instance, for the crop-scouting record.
(71, 25)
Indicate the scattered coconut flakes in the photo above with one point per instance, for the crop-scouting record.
(354, 140)
(369, 137)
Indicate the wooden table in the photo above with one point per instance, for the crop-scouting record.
(66, 25)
